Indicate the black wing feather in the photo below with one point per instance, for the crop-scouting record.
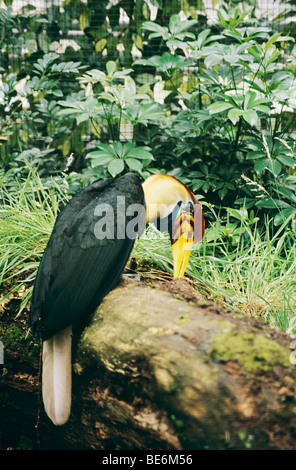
(77, 270)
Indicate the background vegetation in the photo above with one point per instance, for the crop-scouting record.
(90, 89)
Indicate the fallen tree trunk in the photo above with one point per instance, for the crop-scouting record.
(155, 371)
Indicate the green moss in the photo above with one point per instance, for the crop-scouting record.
(183, 320)
(11, 336)
(252, 351)
(15, 339)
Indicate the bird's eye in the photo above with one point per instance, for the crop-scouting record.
(191, 207)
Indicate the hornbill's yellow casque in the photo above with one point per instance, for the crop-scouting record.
(80, 266)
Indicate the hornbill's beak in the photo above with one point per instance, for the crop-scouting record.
(187, 228)
(173, 207)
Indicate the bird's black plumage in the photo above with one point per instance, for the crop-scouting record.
(77, 269)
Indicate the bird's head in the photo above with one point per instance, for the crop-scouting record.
(172, 207)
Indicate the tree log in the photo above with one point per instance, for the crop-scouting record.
(161, 370)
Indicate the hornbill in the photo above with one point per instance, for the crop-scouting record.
(87, 251)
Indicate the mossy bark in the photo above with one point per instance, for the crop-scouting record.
(153, 371)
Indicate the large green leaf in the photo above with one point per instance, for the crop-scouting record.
(234, 115)
(100, 159)
(156, 30)
(166, 62)
(219, 107)
(116, 166)
(134, 164)
(272, 203)
(282, 216)
(261, 164)
(141, 153)
(143, 113)
(286, 160)
(250, 116)
(177, 25)
(212, 60)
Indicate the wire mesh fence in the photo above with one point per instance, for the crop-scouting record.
(113, 28)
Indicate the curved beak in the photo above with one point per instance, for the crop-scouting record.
(187, 227)
(164, 198)
(181, 252)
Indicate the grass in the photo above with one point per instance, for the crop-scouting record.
(250, 271)
(26, 219)
(236, 264)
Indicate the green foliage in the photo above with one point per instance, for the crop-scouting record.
(233, 138)
(33, 79)
(248, 269)
(217, 110)
(175, 31)
(118, 156)
(167, 63)
(26, 220)
(116, 108)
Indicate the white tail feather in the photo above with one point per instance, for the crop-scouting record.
(57, 376)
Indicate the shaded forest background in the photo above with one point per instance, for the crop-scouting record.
(47, 50)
